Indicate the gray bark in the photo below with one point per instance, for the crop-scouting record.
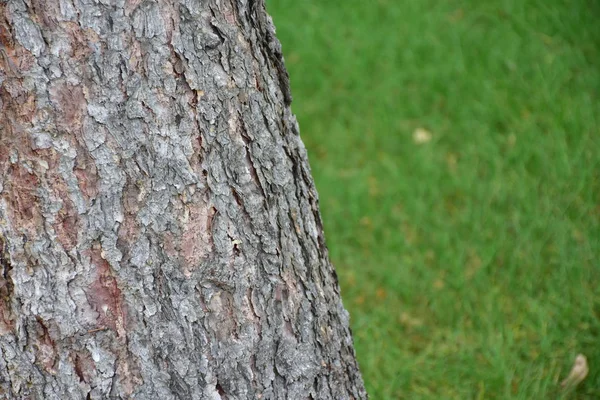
(160, 236)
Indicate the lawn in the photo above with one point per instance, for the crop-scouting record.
(456, 150)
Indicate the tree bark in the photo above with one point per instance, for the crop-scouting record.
(160, 236)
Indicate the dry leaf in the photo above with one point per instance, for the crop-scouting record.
(578, 372)
(421, 136)
(409, 321)
(474, 264)
(511, 140)
(451, 161)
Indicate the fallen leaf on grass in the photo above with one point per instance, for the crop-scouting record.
(451, 161)
(409, 321)
(578, 372)
(474, 264)
(421, 136)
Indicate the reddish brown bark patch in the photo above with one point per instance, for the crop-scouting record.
(67, 225)
(105, 297)
(80, 40)
(6, 291)
(45, 13)
(45, 348)
(17, 103)
(129, 231)
(6, 318)
(14, 58)
(6, 39)
(70, 105)
(21, 193)
(87, 174)
(169, 245)
(229, 11)
(128, 373)
(131, 5)
(84, 366)
(131, 202)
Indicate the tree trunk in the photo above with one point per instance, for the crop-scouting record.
(160, 236)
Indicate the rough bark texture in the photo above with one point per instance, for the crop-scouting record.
(160, 236)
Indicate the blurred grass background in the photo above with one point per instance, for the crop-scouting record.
(456, 149)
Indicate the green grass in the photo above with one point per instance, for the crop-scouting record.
(470, 264)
